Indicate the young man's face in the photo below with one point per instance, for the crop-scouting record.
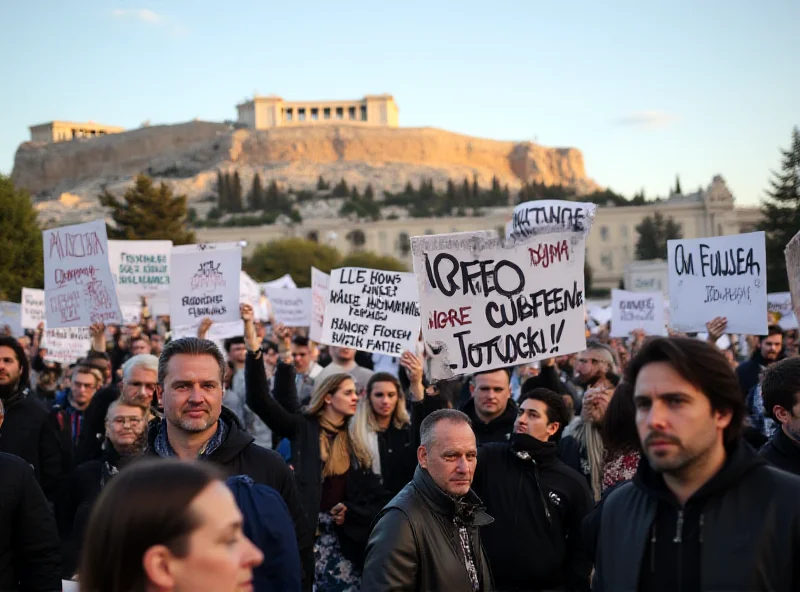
(532, 420)
(193, 392)
(771, 347)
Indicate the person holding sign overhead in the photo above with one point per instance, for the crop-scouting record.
(339, 491)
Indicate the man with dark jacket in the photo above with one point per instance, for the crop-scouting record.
(538, 503)
(491, 409)
(768, 352)
(704, 512)
(428, 536)
(780, 389)
(196, 426)
(27, 431)
(29, 548)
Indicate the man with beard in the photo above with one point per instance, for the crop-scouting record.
(781, 392)
(125, 440)
(197, 427)
(538, 498)
(27, 430)
(749, 373)
(582, 445)
(704, 511)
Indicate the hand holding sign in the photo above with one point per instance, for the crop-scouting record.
(716, 328)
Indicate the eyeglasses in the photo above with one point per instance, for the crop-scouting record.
(121, 422)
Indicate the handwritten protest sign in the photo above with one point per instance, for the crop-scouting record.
(11, 316)
(217, 333)
(141, 268)
(723, 276)
(486, 304)
(205, 284)
(636, 310)
(194, 247)
(371, 310)
(79, 289)
(67, 345)
(319, 300)
(131, 312)
(792, 254)
(546, 216)
(32, 308)
(780, 305)
(290, 306)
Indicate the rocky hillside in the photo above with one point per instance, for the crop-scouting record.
(65, 178)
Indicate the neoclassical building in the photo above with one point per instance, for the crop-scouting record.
(62, 131)
(268, 112)
(611, 245)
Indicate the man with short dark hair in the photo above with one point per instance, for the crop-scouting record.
(701, 499)
(427, 537)
(537, 501)
(305, 367)
(780, 389)
(491, 408)
(749, 373)
(27, 430)
(197, 426)
(344, 361)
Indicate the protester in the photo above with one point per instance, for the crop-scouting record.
(701, 499)
(234, 398)
(344, 361)
(27, 430)
(191, 538)
(491, 409)
(428, 536)
(538, 498)
(306, 369)
(68, 411)
(29, 548)
(340, 493)
(770, 350)
(781, 392)
(620, 439)
(382, 422)
(197, 426)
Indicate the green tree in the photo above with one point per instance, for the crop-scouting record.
(369, 193)
(147, 212)
(256, 194)
(322, 185)
(654, 232)
(21, 258)
(273, 195)
(294, 256)
(222, 191)
(236, 193)
(780, 211)
(355, 195)
(341, 189)
(677, 190)
(475, 188)
(372, 260)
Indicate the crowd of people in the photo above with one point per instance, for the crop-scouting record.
(270, 462)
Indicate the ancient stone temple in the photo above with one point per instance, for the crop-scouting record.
(268, 112)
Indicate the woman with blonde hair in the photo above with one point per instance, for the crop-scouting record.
(340, 493)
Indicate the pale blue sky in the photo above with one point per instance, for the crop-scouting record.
(645, 89)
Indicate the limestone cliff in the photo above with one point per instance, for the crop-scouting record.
(188, 156)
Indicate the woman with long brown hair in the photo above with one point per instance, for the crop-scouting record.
(339, 491)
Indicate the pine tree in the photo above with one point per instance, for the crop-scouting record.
(780, 211)
(273, 196)
(222, 192)
(678, 185)
(21, 259)
(475, 188)
(369, 193)
(654, 232)
(236, 193)
(409, 189)
(256, 195)
(355, 195)
(465, 191)
(322, 185)
(147, 212)
(341, 189)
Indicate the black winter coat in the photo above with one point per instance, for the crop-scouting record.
(90, 441)
(415, 544)
(364, 495)
(782, 452)
(497, 430)
(398, 457)
(749, 371)
(538, 506)
(29, 548)
(739, 532)
(29, 432)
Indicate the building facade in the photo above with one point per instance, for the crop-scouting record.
(611, 245)
(62, 131)
(268, 112)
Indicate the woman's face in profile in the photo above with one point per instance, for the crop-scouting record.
(220, 557)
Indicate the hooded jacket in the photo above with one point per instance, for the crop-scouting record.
(29, 550)
(541, 502)
(782, 452)
(415, 543)
(497, 430)
(739, 532)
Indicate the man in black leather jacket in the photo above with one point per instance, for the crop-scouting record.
(427, 537)
(703, 512)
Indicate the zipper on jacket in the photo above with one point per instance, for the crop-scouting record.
(541, 493)
(679, 528)
(702, 523)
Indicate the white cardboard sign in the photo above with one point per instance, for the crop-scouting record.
(487, 305)
(11, 315)
(319, 300)
(290, 306)
(67, 345)
(205, 284)
(32, 308)
(781, 304)
(723, 276)
(141, 268)
(792, 254)
(631, 311)
(79, 289)
(283, 282)
(372, 310)
(546, 216)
